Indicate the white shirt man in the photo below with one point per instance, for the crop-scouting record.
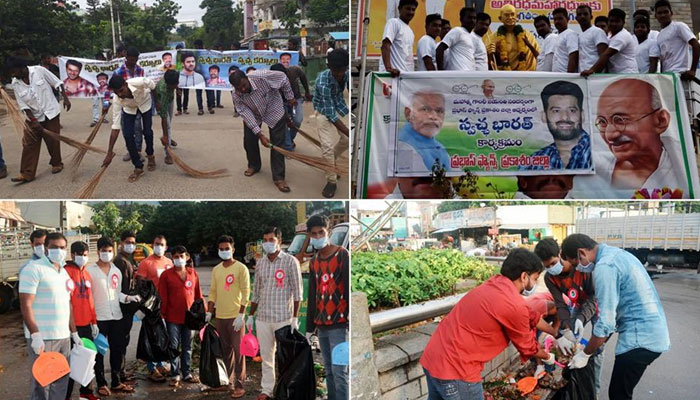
(645, 50)
(38, 96)
(674, 49)
(107, 292)
(426, 48)
(401, 51)
(625, 60)
(461, 45)
(141, 89)
(546, 56)
(588, 42)
(567, 43)
(480, 56)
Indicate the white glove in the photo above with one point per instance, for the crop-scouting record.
(76, 339)
(37, 343)
(249, 323)
(95, 330)
(569, 335)
(295, 324)
(565, 345)
(550, 360)
(133, 299)
(238, 323)
(578, 328)
(580, 360)
(540, 372)
(207, 317)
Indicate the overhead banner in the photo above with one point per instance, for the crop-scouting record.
(633, 129)
(381, 11)
(202, 69)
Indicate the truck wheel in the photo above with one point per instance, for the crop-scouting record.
(5, 299)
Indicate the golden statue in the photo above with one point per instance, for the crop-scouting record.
(514, 44)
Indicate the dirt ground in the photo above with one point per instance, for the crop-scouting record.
(205, 142)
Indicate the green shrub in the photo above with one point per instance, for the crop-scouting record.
(407, 277)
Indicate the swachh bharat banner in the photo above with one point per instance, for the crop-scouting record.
(381, 11)
(527, 135)
(199, 69)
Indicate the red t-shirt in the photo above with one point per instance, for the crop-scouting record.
(177, 295)
(477, 329)
(152, 267)
(81, 296)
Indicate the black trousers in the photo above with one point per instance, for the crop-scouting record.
(113, 330)
(251, 143)
(127, 322)
(83, 332)
(627, 371)
(182, 103)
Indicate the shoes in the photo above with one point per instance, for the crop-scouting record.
(3, 172)
(173, 143)
(21, 179)
(219, 106)
(211, 111)
(57, 169)
(89, 397)
(93, 123)
(200, 112)
(329, 191)
(168, 159)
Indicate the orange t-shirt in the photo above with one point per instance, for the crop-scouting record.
(477, 329)
(152, 267)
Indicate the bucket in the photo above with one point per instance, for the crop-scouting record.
(82, 364)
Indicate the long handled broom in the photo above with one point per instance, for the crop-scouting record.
(218, 173)
(88, 189)
(80, 153)
(316, 162)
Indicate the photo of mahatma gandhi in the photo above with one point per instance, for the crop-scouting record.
(487, 86)
(74, 85)
(417, 147)
(631, 119)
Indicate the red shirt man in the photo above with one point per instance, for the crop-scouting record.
(177, 295)
(154, 265)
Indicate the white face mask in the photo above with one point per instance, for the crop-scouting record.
(269, 247)
(106, 256)
(38, 250)
(225, 254)
(129, 248)
(319, 243)
(57, 255)
(179, 262)
(80, 260)
(531, 291)
(159, 250)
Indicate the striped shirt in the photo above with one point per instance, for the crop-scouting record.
(263, 103)
(52, 290)
(580, 156)
(277, 286)
(329, 98)
(123, 71)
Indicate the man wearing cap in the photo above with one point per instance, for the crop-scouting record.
(45, 290)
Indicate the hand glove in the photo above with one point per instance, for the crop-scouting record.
(580, 360)
(207, 317)
(76, 339)
(578, 328)
(37, 343)
(238, 323)
(569, 335)
(95, 330)
(540, 372)
(565, 345)
(295, 324)
(249, 323)
(550, 360)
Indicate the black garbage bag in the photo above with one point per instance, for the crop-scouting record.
(581, 384)
(212, 370)
(296, 379)
(150, 300)
(154, 342)
(195, 317)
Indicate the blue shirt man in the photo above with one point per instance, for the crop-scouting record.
(424, 118)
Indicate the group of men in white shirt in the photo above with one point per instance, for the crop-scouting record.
(611, 48)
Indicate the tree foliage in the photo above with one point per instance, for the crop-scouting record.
(223, 23)
(327, 12)
(291, 16)
(110, 221)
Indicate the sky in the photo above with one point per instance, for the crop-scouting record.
(189, 9)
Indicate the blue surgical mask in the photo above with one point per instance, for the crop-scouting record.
(584, 267)
(269, 247)
(531, 291)
(556, 269)
(319, 243)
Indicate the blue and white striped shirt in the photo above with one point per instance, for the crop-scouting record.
(52, 289)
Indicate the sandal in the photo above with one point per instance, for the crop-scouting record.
(191, 379)
(238, 393)
(250, 172)
(282, 186)
(329, 191)
(123, 388)
(151, 163)
(138, 172)
(104, 391)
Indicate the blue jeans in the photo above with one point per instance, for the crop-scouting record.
(129, 124)
(439, 389)
(137, 133)
(96, 108)
(297, 114)
(336, 375)
(180, 335)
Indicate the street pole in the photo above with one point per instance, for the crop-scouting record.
(114, 40)
(119, 25)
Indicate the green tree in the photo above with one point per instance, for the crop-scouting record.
(290, 17)
(327, 12)
(223, 22)
(109, 222)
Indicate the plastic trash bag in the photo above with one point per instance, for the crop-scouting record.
(195, 317)
(154, 341)
(581, 384)
(296, 379)
(150, 300)
(212, 370)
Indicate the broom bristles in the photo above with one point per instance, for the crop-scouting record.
(87, 190)
(73, 142)
(218, 173)
(18, 120)
(316, 162)
(80, 153)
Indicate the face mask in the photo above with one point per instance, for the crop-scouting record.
(179, 262)
(556, 269)
(225, 254)
(57, 255)
(319, 243)
(531, 291)
(129, 248)
(159, 250)
(105, 256)
(269, 247)
(584, 267)
(80, 260)
(39, 250)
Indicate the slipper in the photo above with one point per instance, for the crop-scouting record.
(20, 179)
(238, 393)
(282, 186)
(151, 163)
(191, 379)
(135, 175)
(250, 172)
(123, 388)
(173, 143)
(104, 391)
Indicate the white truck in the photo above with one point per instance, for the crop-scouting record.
(658, 239)
(15, 250)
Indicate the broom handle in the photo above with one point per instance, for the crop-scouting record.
(61, 138)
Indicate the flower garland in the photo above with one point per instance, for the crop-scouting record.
(519, 33)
